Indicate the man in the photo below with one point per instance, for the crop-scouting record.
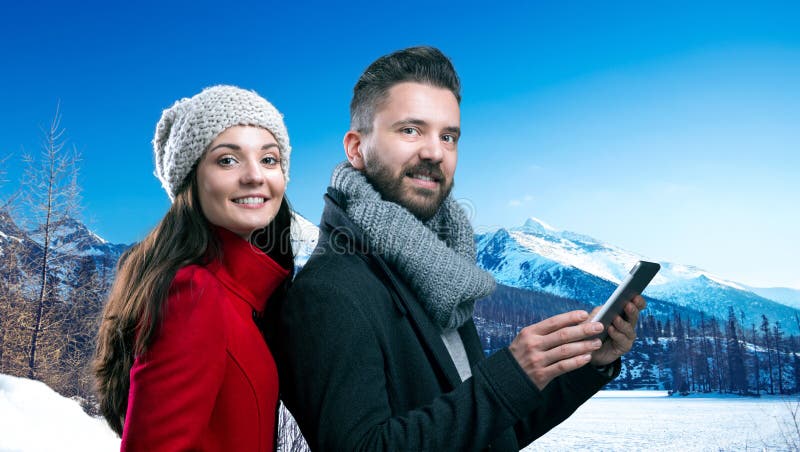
(377, 348)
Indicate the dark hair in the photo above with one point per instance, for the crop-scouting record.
(427, 65)
(135, 306)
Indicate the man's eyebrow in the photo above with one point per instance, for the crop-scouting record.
(409, 121)
(420, 122)
(453, 130)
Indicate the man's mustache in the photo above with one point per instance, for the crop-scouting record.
(431, 169)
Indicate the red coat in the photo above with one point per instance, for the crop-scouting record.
(208, 381)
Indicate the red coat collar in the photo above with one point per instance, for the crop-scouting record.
(246, 270)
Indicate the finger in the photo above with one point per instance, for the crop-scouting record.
(632, 312)
(625, 328)
(558, 322)
(621, 342)
(570, 334)
(564, 366)
(566, 352)
(640, 302)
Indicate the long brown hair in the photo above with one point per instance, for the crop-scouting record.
(135, 306)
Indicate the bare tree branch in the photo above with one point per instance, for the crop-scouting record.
(51, 202)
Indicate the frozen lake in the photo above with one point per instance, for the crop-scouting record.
(649, 420)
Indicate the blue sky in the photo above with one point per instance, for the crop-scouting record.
(671, 130)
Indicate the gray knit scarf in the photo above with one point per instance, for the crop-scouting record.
(436, 258)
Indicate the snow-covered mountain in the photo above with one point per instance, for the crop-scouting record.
(785, 295)
(73, 246)
(534, 256)
(537, 256)
(73, 237)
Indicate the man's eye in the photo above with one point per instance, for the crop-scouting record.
(449, 138)
(409, 131)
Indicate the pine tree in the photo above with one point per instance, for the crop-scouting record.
(677, 361)
(777, 336)
(756, 361)
(692, 356)
(795, 364)
(768, 345)
(736, 372)
(795, 341)
(719, 356)
(796, 369)
(705, 354)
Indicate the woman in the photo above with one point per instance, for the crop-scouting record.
(181, 362)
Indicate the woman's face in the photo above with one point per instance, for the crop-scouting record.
(239, 180)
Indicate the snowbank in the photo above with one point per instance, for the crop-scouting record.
(33, 417)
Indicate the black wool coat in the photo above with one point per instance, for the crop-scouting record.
(363, 367)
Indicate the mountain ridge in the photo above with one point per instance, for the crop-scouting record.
(537, 256)
(534, 256)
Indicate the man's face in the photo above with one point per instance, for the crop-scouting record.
(410, 155)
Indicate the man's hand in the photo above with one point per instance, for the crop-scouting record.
(621, 333)
(555, 346)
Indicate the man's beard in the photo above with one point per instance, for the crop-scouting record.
(421, 202)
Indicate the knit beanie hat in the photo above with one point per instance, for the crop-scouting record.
(187, 129)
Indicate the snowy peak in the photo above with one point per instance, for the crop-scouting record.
(537, 226)
(71, 245)
(678, 272)
(598, 258)
(70, 236)
(573, 250)
(538, 256)
(540, 228)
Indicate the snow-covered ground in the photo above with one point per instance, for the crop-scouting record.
(624, 421)
(33, 417)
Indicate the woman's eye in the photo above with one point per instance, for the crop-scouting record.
(270, 160)
(226, 161)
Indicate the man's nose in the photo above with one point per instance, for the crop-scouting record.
(432, 149)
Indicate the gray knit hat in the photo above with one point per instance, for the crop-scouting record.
(187, 128)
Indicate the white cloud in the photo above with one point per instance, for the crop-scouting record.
(527, 199)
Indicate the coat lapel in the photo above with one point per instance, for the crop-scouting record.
(335, 219)
(426, 330)
(472, 343)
